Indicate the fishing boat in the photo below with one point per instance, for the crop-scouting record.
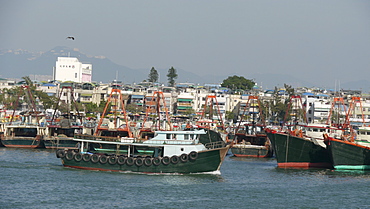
(252, 145)
(300, 145)
(168, 152)
(295, 151)
(24, 131)
(349, 155)
(23, 135)
(61, 130)
(250, 140)
(60, 134)
(352, 150)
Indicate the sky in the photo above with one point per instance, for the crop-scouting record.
(313, 40)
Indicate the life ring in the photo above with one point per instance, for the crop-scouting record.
(86, 157)
(95, 158)
(148, 161)
(184, 158)
(174, 159)
(70, 155)
(103, 159)
(121, 160)
(139, 161)
(60, 153)
(193, 155)
(112, 160)
(166, 160)
(78, 157)
(156, 161)
(130, 161)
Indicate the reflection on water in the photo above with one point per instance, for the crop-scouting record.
(248, 182)
(353, 173)
(190, 179)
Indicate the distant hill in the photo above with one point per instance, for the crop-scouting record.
(20, 63)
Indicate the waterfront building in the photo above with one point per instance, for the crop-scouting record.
(185, 102)
(7, 84)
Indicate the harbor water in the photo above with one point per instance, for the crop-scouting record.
(35, 178)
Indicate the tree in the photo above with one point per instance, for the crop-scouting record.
(237, 82)
(153, 75)
(289, 90)
(229, 115)
(189, 112)
(46, 100)
(134, 108)
(172, 75)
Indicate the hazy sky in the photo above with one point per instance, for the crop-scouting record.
(310, 39)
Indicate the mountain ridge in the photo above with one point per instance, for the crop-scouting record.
(20, 63)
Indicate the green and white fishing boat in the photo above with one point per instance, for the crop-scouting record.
(168, 152)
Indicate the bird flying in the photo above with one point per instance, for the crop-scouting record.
(71, 37)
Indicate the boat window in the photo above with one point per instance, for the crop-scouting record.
(186, 136)
(322, 130)
(315, 129)
(168, 136)
(367, 133)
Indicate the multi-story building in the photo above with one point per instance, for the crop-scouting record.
(71, 69)
(184, 102)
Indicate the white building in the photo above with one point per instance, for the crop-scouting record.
(71, 69)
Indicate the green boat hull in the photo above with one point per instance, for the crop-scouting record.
(206, 161)
(296, 152)
(23, 142)
(349, 156)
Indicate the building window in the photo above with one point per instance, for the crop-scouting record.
(75, 75)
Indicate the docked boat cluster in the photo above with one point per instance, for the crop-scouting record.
(125, 160)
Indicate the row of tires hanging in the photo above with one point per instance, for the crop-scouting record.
(122, 160)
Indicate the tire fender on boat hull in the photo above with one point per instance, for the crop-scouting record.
(78, 157)
(139, 161)
(95, 158)
(184, 158)
(174, 159)
(121, 160)
(166, 160)
(86, 157)
(156, 161)
(60, 153)
(148, 161)
(193, 155)
(130, 161)
(103, 159)
(70, 155)
(112, 160)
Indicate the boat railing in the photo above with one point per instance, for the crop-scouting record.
(214, 145)
(108, 138)
(98, 138)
